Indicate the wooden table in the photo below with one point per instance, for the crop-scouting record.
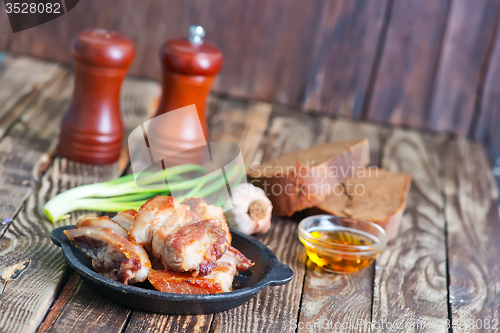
(443, 268)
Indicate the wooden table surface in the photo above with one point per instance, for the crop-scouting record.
(442, 270)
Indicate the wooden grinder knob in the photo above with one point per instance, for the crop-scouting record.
(189, 69)
(92, 128)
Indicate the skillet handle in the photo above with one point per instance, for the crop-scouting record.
(279, 275)
(57, 235)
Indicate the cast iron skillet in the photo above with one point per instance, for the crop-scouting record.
(267, 271)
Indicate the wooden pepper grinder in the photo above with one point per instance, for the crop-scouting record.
(92, 128)
(189, 68)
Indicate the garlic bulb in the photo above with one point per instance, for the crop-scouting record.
(252, 213)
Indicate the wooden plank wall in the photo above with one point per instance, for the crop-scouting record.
(428, 64)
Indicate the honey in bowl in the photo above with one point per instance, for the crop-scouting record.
(340, 263)
(341, 245)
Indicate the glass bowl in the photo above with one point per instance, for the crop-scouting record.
(341, 244)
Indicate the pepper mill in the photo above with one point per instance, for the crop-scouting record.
(92, 128)
(189, 68)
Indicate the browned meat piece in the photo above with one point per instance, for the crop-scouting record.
(220, 280)
(112, 255)
(185, 244)
(125, 218)
(101, 222)
(183, 239)
(210, 213)
(154, 211)
(181, 216)
(182, 283)
(194, 247)
(242, 262)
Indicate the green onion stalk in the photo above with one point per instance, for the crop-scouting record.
(123, 193)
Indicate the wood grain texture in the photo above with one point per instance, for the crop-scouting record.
(290, 130)
(274, 309)
(139, 102)
(27, 299)
(5, 30)
(150, 322)
(243, 123)
(62, 299)
(466, 44)
(26, 150)
(332, 300)
(403, 86)
(273, 68)
(410, 277)
(473, 233)
(87, 312)
(22, 79)
(345, 51)
(488, 119)
(345, 129)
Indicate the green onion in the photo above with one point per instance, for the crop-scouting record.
(220, 201)
(123, 193)
(195, 190)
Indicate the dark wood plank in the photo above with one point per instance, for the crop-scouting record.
(88, 312)
(345, 129)
(403, 86)
(243, 123)
(32, 138)
(467, 46)
(52, 40)
(26, 300)
(150, 322)
(139, 102)
(26, 150)
(332, 300)
(22, 80)
(290, 130)
(326, 56)
(488, 120)
(272, 68)
(348, 40)
(410, 289)
(473, 234)
(5, 30)
(62, 299)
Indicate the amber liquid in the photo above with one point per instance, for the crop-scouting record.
(346, 262)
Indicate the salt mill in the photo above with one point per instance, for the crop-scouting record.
(92, 128)
(189, 69)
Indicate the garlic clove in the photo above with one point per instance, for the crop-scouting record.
(252, 212)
